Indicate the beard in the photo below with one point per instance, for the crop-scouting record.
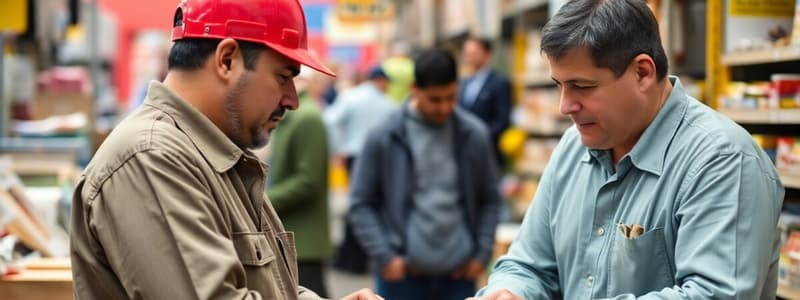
(258, 137)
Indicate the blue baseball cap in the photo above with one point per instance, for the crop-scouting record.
(377, 72)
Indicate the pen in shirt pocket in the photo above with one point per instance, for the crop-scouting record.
(631, 232)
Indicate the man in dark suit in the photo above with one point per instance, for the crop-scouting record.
(486, 93)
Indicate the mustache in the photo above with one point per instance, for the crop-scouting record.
(278, 112)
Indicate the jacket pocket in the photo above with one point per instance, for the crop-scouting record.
(253, 248)
(287, 244)
(639, 266)
(257, 258)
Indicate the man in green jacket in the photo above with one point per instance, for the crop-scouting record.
(298, 182)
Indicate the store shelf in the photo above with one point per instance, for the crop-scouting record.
(461, 31)
(521, 6)
(743, 58)
(532, 170)
(775, 116)
(541, 79)
(537, 134)
(788, 292)
(789, 179)
(550, 133)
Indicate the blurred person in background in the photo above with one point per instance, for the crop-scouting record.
(424, 201)
(298, 181)
(172, 206)
(356, 112)
(400, 68)
(351, 117)
(486, 93)
(332, 88)
(652, 194)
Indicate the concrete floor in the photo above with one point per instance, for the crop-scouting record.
(339, 283)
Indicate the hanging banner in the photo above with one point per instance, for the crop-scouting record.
(748, 22)
(761, 8)
(364, 10)
(13, 15)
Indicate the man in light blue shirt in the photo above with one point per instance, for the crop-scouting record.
(646, 196)
(356, 112)
(349, 120)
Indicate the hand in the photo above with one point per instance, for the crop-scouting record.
(395, 270)
(503, 294)
(471, 270)
(339, 160)
(363, 294)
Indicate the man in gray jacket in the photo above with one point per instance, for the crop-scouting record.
(424, 193)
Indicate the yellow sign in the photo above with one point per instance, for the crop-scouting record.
(761, 8)
(14, 15)
(364, 10)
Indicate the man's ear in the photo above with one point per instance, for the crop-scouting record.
(644, 68)
(226, 58)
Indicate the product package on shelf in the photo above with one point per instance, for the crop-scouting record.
(781, 92)
(768, 143)
(784, 90)
(788, 154)
(789, 262)
(796, 25)
(747, 96)
(538, 113)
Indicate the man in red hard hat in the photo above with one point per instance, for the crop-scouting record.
(172, 205)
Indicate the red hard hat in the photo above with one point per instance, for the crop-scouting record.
(278, 24)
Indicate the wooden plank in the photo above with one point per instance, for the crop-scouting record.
(773, 116)
(789, 180)
(40, 276)
(536, 80)
(521, 6)
(37, 285)
(24, 226)
(788, 292)
(53, 264)
(774, 55)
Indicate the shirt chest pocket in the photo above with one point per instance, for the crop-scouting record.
(258, 260)
(639, 266)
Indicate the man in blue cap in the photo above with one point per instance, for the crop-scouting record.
(355, 112)
(349, 120)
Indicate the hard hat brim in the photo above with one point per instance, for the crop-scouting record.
(302, 57)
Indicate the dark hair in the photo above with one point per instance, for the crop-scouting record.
(615, 31)
(434, 67)
(485, 43)
(191, 54)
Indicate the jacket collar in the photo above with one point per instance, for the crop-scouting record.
(212, 143)
(398, 130)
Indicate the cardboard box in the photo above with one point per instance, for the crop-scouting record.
(47, 104)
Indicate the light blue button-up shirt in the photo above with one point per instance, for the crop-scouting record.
(475, 84)
(354, 113)
(708, 199)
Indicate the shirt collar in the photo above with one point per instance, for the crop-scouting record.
(483, 73)
(649, 152)
(212, 143)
